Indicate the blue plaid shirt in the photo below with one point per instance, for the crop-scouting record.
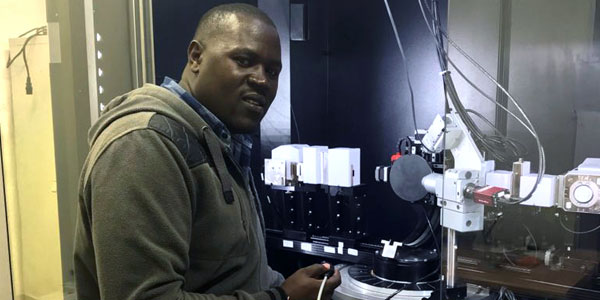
(240, 145)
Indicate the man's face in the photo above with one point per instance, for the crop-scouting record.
(237, 72)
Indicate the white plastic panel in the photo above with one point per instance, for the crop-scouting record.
(314, 166)
(292, 152)
(344, 167)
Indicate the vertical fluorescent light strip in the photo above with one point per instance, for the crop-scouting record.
(142, 42)
(90, 45)
(150, 30)
(135, 55)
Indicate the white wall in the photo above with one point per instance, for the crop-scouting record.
(28, 158)
(16, 17)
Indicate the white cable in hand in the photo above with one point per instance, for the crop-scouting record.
(322, 286)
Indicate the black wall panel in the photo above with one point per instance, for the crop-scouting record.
(349, 89)
(309, 77)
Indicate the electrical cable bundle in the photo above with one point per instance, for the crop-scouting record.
(43, 30)
(498, 146)
(428, 232)
(505, 293)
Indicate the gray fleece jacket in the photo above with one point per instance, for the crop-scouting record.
(164, 211)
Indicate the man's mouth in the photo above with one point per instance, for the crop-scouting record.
(255, 103)
(255, 100)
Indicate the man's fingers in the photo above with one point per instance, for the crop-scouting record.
(315, 270)
(334, 281)
(331, 284)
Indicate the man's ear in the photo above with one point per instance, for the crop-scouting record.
(195, 50)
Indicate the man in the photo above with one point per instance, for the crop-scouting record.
(167, 206)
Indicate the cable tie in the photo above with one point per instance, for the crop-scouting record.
(442, 73)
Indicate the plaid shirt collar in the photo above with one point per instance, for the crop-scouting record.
(239, 145)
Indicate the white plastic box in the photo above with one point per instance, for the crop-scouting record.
(545, 193)
(291, 153)
(314, 165)
(343, 166)
(275, 172)
(282, 168)
(499, 178)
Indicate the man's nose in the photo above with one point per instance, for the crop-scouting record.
(258, 79)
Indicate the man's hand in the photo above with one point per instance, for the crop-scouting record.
(305, 283)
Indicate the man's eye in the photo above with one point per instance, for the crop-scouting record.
(273, 73)
(242, 61)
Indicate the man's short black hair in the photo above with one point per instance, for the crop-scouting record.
(212, 19)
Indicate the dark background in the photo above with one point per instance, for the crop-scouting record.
(349, 90)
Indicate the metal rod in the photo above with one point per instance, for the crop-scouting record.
(134, 37)
(142, 42)
(451, 258)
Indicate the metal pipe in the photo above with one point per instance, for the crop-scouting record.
(430, 181)
(517, 172)
(451, 258)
